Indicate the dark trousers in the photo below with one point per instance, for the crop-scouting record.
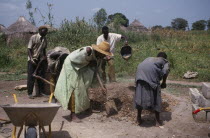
(31, 79)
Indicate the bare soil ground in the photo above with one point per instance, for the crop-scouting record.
(177, 115)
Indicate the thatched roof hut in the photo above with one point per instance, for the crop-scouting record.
(137, 26)
(21, 26)
(2, 28)
(21, 29)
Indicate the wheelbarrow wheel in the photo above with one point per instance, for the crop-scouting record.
(31, 133)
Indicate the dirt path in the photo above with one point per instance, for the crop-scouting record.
(178, 120)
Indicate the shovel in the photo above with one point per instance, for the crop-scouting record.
(46, 81)
(110, 105)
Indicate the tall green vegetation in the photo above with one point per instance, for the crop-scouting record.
(13, 58)
(186, 50)
(73, 34)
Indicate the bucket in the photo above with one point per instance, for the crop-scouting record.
(126, 52)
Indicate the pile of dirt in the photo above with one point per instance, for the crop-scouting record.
(123, 97)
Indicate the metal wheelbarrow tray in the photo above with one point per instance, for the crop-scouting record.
(31, 114)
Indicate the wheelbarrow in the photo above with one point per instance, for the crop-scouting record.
(30, 116)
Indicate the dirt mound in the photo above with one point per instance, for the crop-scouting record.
(123, 97)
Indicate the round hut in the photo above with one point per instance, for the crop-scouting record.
(137, 26)
(22, 29)
(2, 28)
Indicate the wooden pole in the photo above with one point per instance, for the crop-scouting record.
(38, 77)
(15, 98)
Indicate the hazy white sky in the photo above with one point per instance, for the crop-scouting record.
(148, 12)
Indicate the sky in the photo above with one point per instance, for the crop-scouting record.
(148, 12)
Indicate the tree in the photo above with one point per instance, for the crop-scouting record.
(157, 27)
(208, 24)
(118, 19)
(31, 14)
(199, 25)
(179, 24)
(100, 17)
(49, 18)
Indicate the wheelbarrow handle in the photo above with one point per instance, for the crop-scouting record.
(196, 111)
(15, 98)
(200, 109)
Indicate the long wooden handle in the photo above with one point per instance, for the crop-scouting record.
(51, 96)
(38, 65)
(4, 120)
(15, 98)
(38, 77)
(100, 82)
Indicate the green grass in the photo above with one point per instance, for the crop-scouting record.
(179, 89)
(12, 77)
(187, 51)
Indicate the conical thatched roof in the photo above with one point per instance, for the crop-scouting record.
(2, 28)
(21, 26)
(137, 26)
(136, 23)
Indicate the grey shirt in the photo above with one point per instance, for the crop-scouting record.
(151, 70)
(37, 45)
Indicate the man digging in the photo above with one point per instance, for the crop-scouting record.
(36, 53)
(148, 88)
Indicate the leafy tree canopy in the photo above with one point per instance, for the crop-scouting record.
(100, 17)
(118, 19)
(208, 24)
(157, 27)
(179, 24)
(199, 25)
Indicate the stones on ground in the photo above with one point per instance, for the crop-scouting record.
(206, 90)
(208, 116)
(203, 102)
(198, 98)
(190, 75)
(195, 95)
(21, 87)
